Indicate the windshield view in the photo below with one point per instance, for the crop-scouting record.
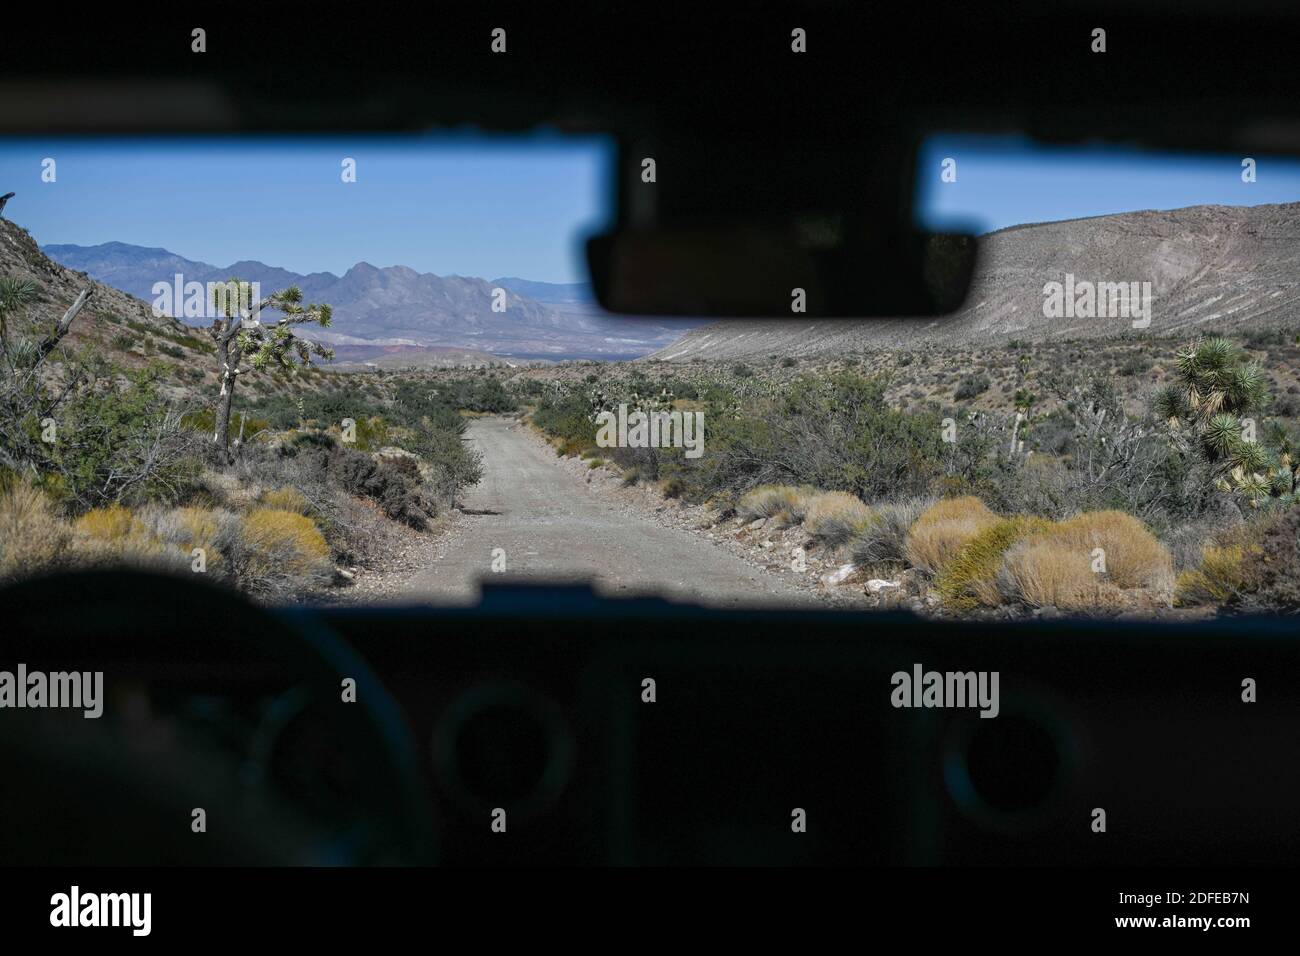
(372, 370)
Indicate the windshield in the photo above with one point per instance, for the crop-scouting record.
(364, 370)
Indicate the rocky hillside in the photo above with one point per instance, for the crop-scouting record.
(1222, 268)
(122, 327)
(125, 331)
(20, 256)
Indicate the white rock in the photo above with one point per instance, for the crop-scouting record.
(880, 584)
(837, 577)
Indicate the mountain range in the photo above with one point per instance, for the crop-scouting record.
(1209, 268)
(398, 306)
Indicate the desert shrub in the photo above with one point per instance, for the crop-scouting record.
(33, 537)
(357, 530)
(286, 498)
(451, 464)
(116, 536)
(181, 530)
(569, 418)
(1042, 571)
(672, 487)
(371, 434)
(882, 540)
(1286, 406)
(1219, 579)
(280, 554)
(943, 529)
(970, 579)
(355, 526)
(1133, 556)
(114, 523)
(1134, 365)
(485, 394)
(308, 441)
(1057, 566)
(204, 421)
(834, 432)
(766, 501)
(834, 517)
(115, 444)
(1187, 542)
(682, 388)
(1272, 570)
(395, 493)
(971, 386)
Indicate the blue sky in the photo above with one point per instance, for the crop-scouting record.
(1005, 181)
(477, 206)
(514, 206)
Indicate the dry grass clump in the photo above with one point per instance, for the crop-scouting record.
(1133, 557)
(219, 489)
(287, 498)
(273, 553)
(214, 531)
(970, 579)
(114, 524)
(943, 529)
(1086, 563)
(882, 541)
(1042, 571)
(834, 517)
(1255, 566)
(767, 501)
(33, 538)
(279, 552)
(785, 504)
(1219, 579)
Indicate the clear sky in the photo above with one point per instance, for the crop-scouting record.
(493, 206)
(1005, 181)
(468, 205)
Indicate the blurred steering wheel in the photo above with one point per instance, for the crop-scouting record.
(209, 703)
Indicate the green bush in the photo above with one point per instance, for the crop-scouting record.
(569, 418)
(971, 386)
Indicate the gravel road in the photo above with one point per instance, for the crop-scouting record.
(552, 526)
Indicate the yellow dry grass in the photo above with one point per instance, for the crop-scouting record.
(944, 529)
(33, 538)
(834, 517)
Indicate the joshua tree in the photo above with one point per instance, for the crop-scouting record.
(24, 397)
(1212, 408)
(240, 335)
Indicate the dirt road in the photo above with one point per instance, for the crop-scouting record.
(551, 525)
